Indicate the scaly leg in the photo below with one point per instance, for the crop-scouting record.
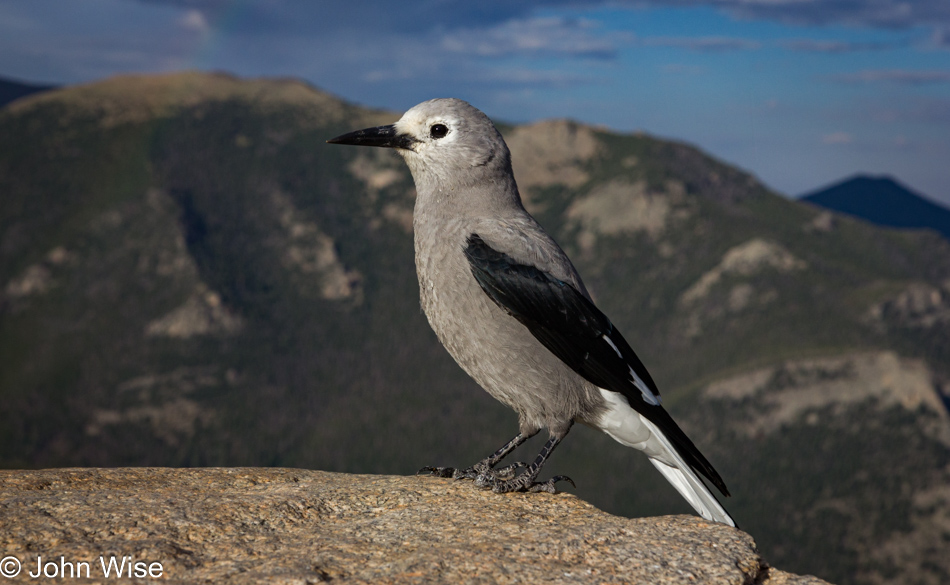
(525, 482)
(485, 467)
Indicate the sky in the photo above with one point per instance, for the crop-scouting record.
(801, 93)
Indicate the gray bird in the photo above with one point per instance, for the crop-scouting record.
(508, 305)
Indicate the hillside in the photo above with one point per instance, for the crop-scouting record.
(190, 276)
(882, 201)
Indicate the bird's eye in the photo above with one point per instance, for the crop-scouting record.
(438, 130)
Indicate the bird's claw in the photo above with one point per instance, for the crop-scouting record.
(548, 486)
(501, 481)
(508, 471)
(481, 473)
(437, 471)
(523, 483)
(469, 473)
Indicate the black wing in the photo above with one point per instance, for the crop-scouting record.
(574, 330)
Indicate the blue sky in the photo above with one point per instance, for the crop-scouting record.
(799, 92)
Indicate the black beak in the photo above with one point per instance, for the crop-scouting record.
(384, 136)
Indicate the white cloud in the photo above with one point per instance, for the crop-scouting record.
(317, 17)
(194, 20)
(539, 77)
(896, 14)
(534, 36)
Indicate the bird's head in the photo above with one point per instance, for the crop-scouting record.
(446, 143)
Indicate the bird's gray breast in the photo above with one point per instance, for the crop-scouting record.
(494, 348)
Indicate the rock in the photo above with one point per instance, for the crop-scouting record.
(744, 260)
(250, 525)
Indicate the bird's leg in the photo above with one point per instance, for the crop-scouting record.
(525, 482)
(485, 467)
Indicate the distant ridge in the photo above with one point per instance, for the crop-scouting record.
(882, 201)
(191, 277)
(11, 90)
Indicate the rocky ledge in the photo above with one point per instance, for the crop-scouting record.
(251, 525)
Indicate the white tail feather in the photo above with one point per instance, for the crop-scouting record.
(627, 427)
(687, 483)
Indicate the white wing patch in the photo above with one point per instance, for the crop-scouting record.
(645, 391)
(648, 396)
(611, 344)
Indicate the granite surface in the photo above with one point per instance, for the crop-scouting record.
(255, 525)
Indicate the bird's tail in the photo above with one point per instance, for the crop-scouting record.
(630, 428)
(683, 478)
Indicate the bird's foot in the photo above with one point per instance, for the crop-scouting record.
(441, 471)
(487, 477)
(506, 472)
(523, 483)
(480, 472)
(548, 486)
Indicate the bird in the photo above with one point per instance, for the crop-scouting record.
(508, 305)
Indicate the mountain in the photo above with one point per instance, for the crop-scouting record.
(882, 201)
(11, 90)
(190, 276)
